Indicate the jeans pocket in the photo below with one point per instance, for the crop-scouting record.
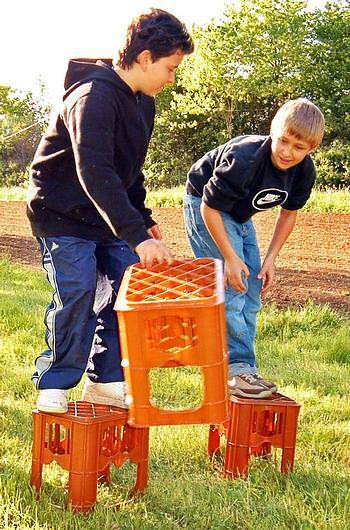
(198, 220)
(188, 219)
(193, 218)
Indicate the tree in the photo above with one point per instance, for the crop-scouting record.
(19, 136)
(329, 68)
(260, 54)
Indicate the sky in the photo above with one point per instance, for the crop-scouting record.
(38, 37)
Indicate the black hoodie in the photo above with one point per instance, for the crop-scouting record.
(86, 179)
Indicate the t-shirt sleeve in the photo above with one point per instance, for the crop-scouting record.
(304, 181)
(229, 182)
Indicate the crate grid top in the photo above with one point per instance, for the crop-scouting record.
(186, 281)
(85, 411)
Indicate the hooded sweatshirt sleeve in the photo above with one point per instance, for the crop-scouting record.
(91, 123)
(137, 195)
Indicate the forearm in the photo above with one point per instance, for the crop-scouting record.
(284, 226)
(234, 267)
(216, 228)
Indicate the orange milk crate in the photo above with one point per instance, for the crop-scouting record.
(254, 428)
(86, 441)
(172, 316)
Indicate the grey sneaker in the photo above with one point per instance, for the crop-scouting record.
(247, 386)
(269, 384)
(52, 400)
(106, 393)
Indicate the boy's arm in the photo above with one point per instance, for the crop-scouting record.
(234, 266)
(283, 227)
(91, 124)
(137, 196)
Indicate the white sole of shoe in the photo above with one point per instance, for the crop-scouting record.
(53, 410)
(240, 393)
(90, 397)
(273, 389)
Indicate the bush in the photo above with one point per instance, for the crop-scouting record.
(333, 166)
(23, 119)
(11, 175)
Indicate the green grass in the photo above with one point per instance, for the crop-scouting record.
(15, 193)
(166, 198)
(329, 201)
(336, 201)
(305, 350)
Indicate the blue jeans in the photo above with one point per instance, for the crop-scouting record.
(81, 326)
(241, 309)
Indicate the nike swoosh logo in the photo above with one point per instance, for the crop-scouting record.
(268, 199)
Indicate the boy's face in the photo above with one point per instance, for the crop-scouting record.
(287, 150)
(160, 73)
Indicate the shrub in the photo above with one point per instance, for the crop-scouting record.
(333, 166)
(11, 175)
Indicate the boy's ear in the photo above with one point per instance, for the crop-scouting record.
(144, 59)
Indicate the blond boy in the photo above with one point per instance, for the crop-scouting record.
(225, 188)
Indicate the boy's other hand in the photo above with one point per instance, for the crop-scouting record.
(155, 232)
(234, 269)
(152, 251)
(267, 275)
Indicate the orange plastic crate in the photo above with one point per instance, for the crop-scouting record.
(255, 427)
(171, 316)
(86, 441)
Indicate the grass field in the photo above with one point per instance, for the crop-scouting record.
(305, 350)
(336, 201)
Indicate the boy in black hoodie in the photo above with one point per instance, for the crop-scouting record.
(86, 206)
(225, 188)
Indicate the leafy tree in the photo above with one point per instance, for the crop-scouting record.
(261, 53)
(329, 67)
(22, 119)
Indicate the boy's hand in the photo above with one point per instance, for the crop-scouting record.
(234, 269)
(155, 232)
(267, 275)
(152, 251)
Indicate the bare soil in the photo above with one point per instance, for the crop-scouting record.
(314, 263)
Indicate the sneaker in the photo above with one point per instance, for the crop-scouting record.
(246, 385)
(105, 393)
(269, 384)
(52, 400)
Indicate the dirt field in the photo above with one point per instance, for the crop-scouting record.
(315, 263)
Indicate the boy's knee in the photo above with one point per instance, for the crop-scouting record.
(234, 301)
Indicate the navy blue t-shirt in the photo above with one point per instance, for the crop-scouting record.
(239, 178)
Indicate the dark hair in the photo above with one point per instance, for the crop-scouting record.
(157, 31)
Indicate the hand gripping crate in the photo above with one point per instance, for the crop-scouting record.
(171, 316)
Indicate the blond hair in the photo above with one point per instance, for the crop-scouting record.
(301, 118)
